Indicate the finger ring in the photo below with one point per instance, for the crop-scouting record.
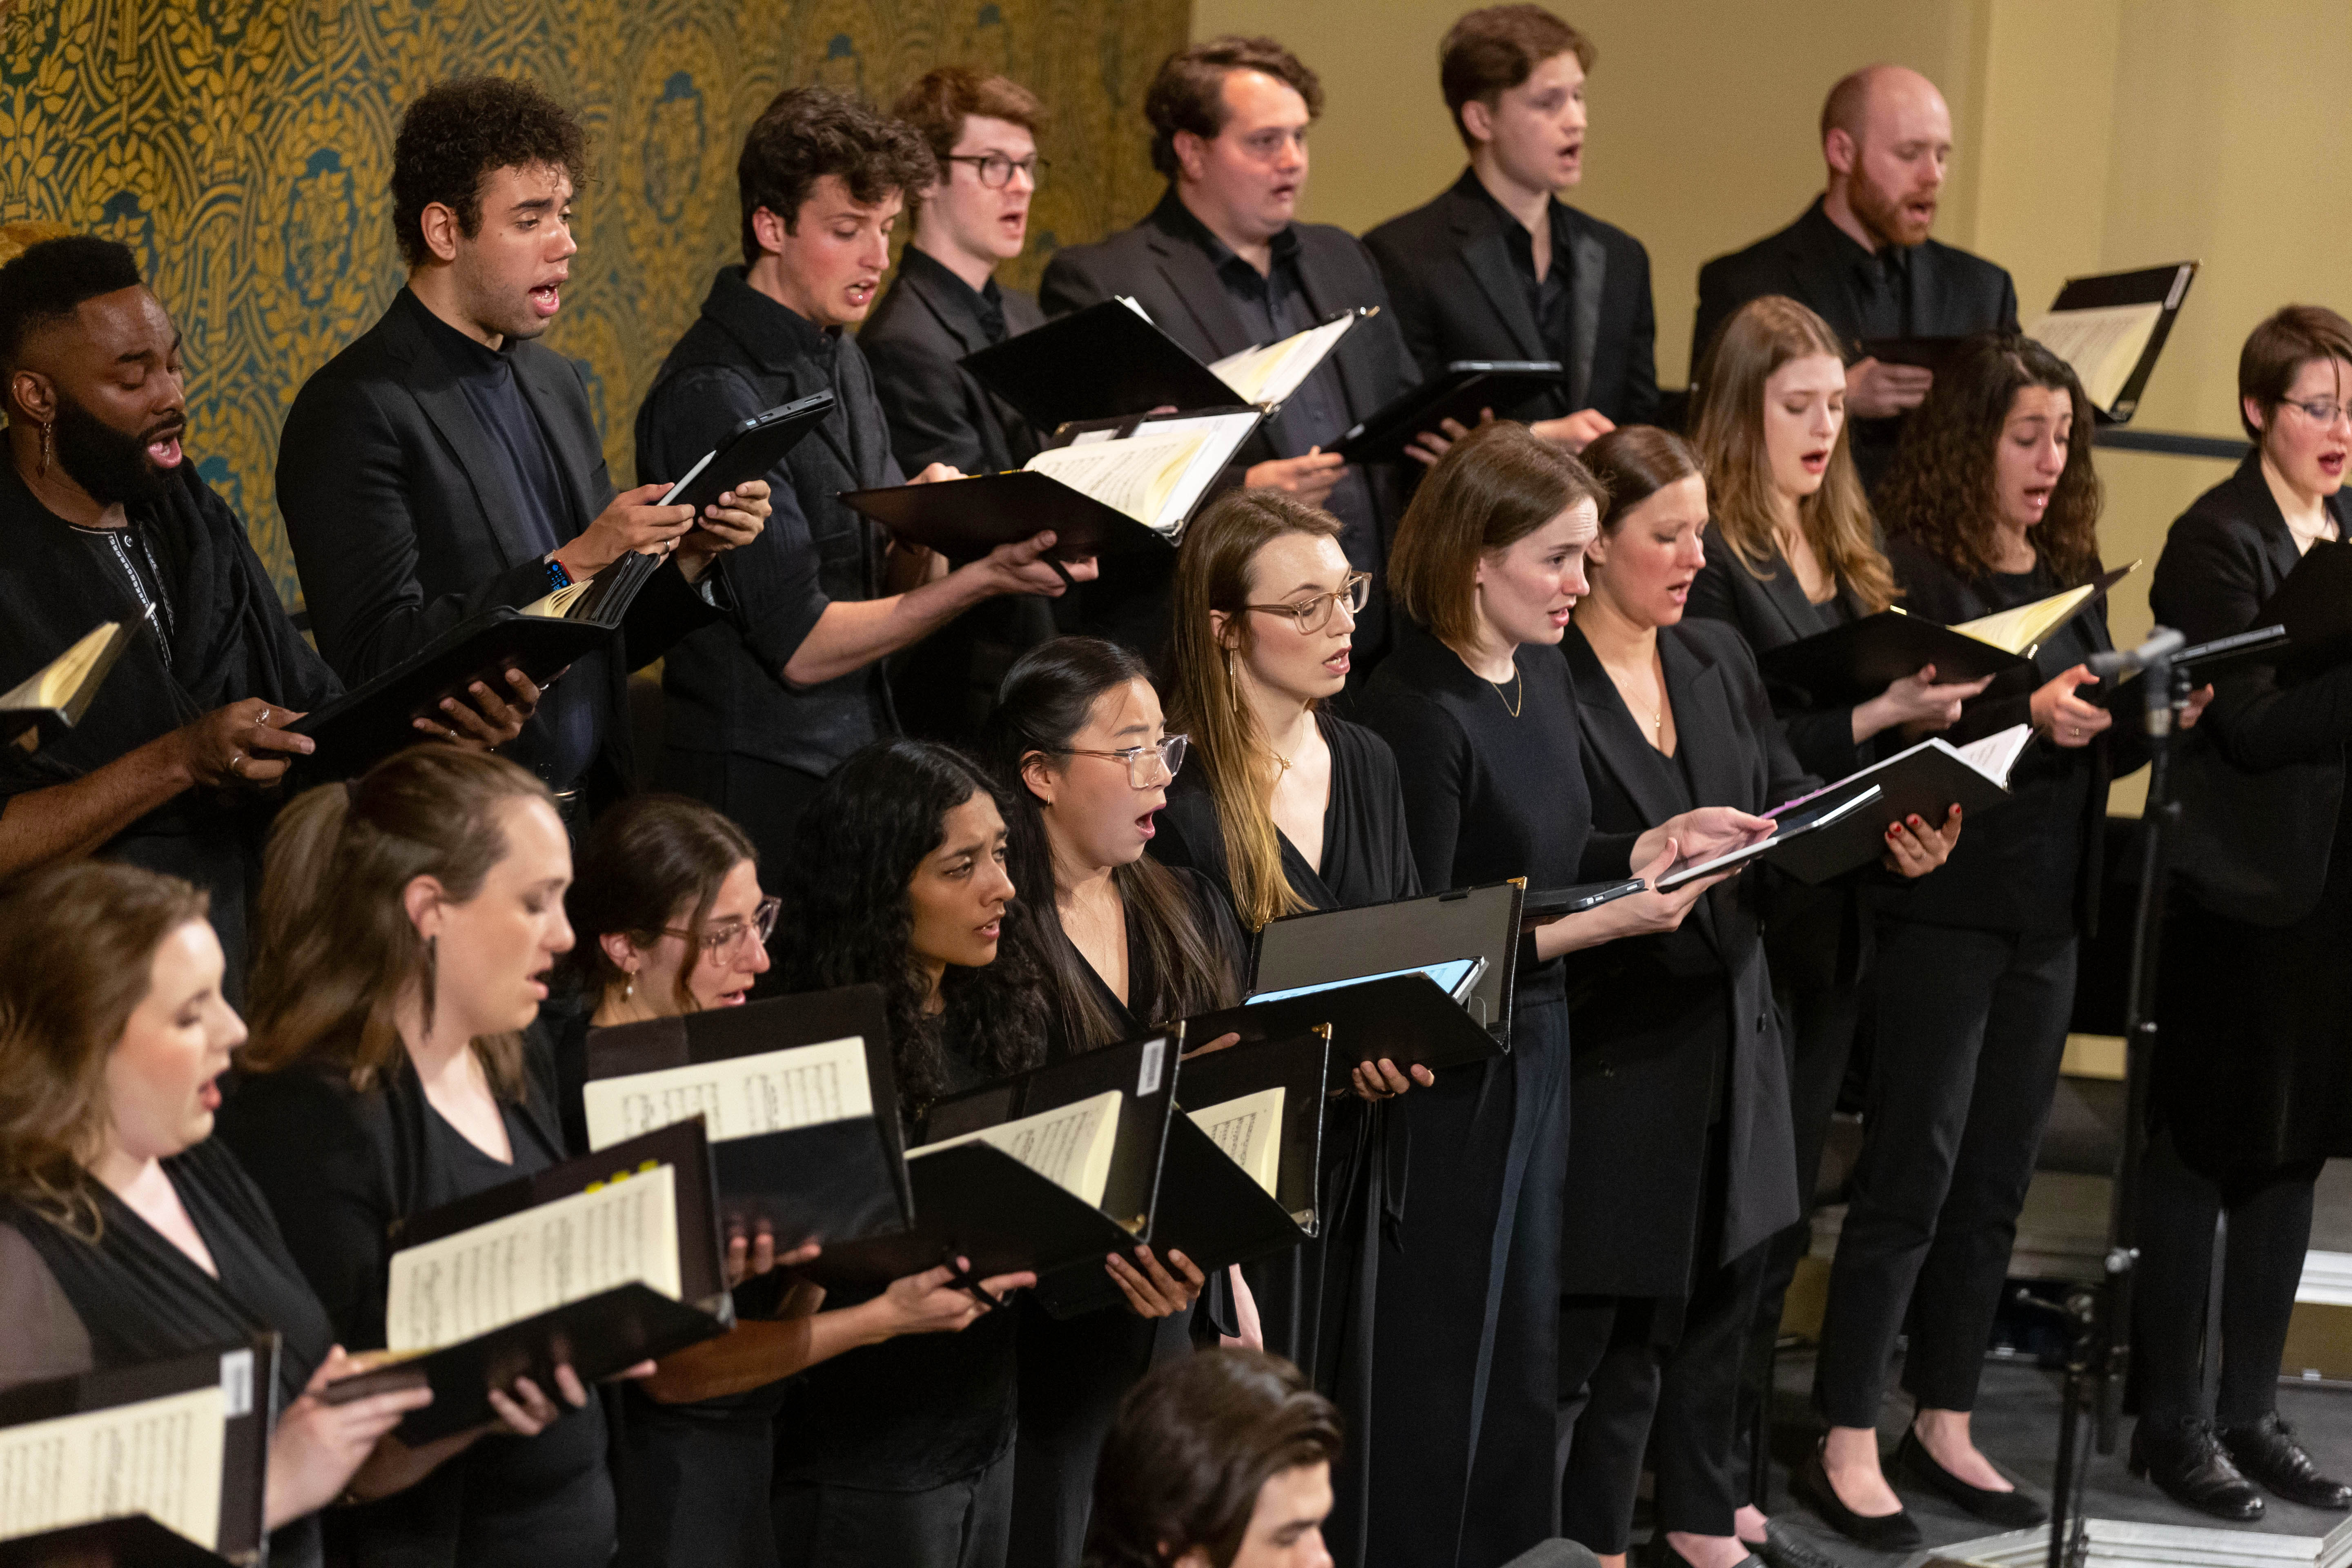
(262, 722)
(237, 763)
(2078, 732)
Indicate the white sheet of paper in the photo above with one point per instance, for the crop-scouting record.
(2104, 343)
(1249, 1130)
(1135, 475)
(1069, 1146)
(161, 1458)
(1994, 755)
(1272, 372)
(446, 1291)
(744, 1097)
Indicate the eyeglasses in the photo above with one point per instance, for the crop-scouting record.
(2324, 414)
(1312, 614)
(1148, 767)
(720, 939)
(996, 169)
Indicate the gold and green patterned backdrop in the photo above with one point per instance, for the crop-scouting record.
(242, 148)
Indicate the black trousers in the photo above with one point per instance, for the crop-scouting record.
(2270, 1229)
(1971, 1029)
(1646, 1387)
(962, 1524)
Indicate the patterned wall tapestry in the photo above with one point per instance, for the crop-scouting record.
(242, 148)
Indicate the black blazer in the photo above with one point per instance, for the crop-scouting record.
(1666, 1027)
(396, 508)
(1773, 612)
(938, 412)
(2260, 779)
(1457, 296)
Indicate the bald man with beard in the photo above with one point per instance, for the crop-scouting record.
(1860, 255)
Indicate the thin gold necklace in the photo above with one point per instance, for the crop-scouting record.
(1518, 683)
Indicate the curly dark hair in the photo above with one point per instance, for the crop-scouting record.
(808, 132)
(462, 130)
(1940, 492)
(847, 919)
(1189, 91)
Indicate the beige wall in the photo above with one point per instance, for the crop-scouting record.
(2092, 135)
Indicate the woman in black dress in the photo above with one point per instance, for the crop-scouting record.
(407, 920)
(1680, 1158)
(2251, 1090)
(1991, 503)
(901, 1451)
(1478, 707)
(1265, 616)
(1128, 945)
(1792, 552)
(668, 918)
(126, 1234)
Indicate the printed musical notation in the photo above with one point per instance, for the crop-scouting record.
(161, 1458)
(1069, 1146)
(741, 1097)
(1249, 1130)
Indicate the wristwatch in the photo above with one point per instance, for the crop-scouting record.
(557, 579)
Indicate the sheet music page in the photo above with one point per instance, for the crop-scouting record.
(53, 684)
(1134, 476)
(444, 1292)
(1249, 1130)
(2104, 344)
(1273, 372)
(1994, 755)
(744, 1097)
(161, 1458)
(1069, 1146)
(2021, 630)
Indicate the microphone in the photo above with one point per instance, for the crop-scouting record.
(2161, 645)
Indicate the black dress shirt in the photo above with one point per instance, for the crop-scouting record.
(1548, 296)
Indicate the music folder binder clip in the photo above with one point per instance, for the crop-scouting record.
(598, 1334)
(164, 1462)
(1212, 1208)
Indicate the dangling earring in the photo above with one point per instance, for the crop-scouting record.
(630, 989)
(46, 428)
(431, 978)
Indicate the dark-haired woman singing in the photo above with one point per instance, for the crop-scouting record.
(1992, 503)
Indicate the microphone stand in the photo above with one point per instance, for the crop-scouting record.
(2099, 1316)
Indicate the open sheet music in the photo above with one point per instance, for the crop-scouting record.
(161, 1458)
(2104, 344)
(1249, 1130)
(619, 1233)
(741, 1097)
(1069, 1146)
(1135, 475)
(1272, 372)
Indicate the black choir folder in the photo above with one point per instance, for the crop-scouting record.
(127, 1541)
(600, 1262)
(1462, 390)
(372, 721)
(1050, 1170)
(2315, 606)
(1111, 359)
(1119, 487)
(1242, 1176)
(797, 1098)
(750, 450)
(1842, 826)
(52, 699)
(184, 1442)
(1856, 661)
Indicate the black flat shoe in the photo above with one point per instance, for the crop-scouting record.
(2189, 1465)
(1884, 1532)
(2268, 1452)
(1784, 1548)
(2008, 1510)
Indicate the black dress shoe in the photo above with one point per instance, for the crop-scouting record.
(1884, 1532)
(2009, 1509)
(2268, 1452)
(1784, 1548)
(2189, 1465)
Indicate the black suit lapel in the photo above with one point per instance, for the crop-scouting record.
(1486, 252)
(1326, 299)
(1588, 273)
(1612, 733)
(434, 387)
(957, 321)
(2261, 509)
(1786, 597)
(1703, 731)
(1193, 281)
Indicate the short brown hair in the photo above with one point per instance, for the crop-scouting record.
(1634, 462)
(1192, 1446)
(459, 133)
(1498, 484)
(80, 939)
(806, 133)
(1490, 51)
(2276, 352)
(943, 99)
(1189, 93)
(645, 860)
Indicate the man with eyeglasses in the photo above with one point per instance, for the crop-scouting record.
(761, 707)
(944, 303)
(1221, 264)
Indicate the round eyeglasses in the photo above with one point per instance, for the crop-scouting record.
(996, 169)
(2324, 414)
(723, 938)
(1148, 767)
(1312, 614)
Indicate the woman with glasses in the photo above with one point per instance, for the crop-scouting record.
(1287, 808)
(2252, 1091)
(1476, 704)
(668, 918)
(1128, 945)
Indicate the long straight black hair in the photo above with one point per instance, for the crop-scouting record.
(1048, 695)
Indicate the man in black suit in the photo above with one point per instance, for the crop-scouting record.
(946, 302)
(761, 706)
(1221, 265)
(446, 464)
(1860, 255)
(1498, 268)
